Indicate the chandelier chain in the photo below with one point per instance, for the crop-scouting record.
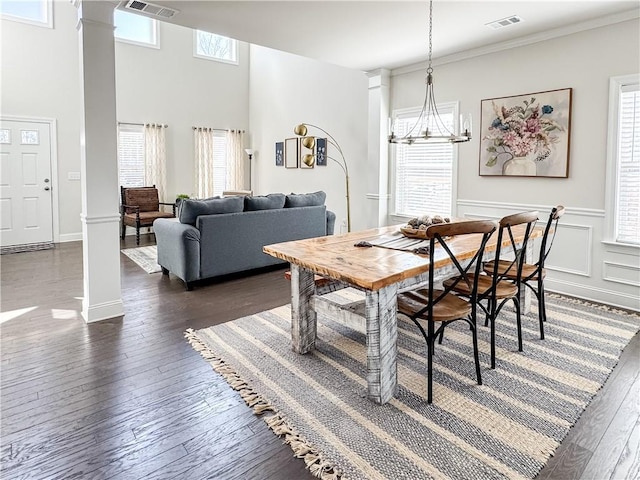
(430, 69)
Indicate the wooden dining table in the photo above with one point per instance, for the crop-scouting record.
(380, 273)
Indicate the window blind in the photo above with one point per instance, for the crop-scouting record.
(219, 162)
(628, 175)
(424, 173)
(131, 155)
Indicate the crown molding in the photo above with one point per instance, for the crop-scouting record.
(522, 41)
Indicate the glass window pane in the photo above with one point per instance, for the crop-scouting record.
(5, 135)
(29, 137)
(134, 28)
(215, 46)
(35, 10)
(423, 172)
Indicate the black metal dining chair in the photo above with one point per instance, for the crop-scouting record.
(496, 289)
(429, 306)
(532, 275)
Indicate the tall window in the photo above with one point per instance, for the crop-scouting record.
(214, 47)
(131, 155)
(623, 167)
(136, 29)
(219, 162)
(424, 174)
(35, 12)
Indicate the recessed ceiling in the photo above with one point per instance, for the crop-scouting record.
(366, 35)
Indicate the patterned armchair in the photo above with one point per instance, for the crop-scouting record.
(140, 207)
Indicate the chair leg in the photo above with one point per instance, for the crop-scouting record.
(123, 229)
(441, 336)
(430, 346)
(476, 356)
(542, 309)
(516, 302)
(138, 234)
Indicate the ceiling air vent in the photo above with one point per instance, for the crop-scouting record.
(504, 22)
(150, 9)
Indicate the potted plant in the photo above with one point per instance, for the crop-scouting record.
(180, 197)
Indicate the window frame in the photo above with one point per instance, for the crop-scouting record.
(234, 47)
(611, 186)
(155, 29)
(399, 217)
(47, 23)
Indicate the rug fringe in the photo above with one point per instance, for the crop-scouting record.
(319, 467)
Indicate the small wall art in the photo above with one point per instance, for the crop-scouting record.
(526, 135)
(279, 154)
(291, 153)
(321, 152)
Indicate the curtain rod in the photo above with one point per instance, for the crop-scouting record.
(217, 129)
(144, 124)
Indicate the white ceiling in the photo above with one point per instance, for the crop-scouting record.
(366, 35)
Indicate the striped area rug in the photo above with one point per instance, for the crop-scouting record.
(506, 428)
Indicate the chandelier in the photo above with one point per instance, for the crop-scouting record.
(429, 127)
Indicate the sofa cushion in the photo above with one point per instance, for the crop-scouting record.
(268, 202)
(190, 209)
(305, 199)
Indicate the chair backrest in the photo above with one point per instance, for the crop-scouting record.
(440, 236)
(507, 224)
(545, 245)
(146, 198)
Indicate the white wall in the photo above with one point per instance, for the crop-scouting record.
(173, 87)
(582, 265)
(41, 78)
(286, 90)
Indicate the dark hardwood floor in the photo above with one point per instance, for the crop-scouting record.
(129, 398)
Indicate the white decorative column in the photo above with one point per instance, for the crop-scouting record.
(99, 166)
(378, 162)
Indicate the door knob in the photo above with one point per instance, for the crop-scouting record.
(46, 180)
(47, 188)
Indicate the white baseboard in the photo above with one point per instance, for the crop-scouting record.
(609, 297)
(102, 311)
(70, 237)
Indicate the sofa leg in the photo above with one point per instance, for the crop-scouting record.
(165, 271)
(188, 286)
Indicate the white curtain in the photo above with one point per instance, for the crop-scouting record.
(155, 158)
(203, 148)
(235, 160)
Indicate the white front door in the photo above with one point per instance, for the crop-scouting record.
(25, 183)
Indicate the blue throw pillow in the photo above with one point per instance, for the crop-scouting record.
(272, 201)
(191, 209)
(305, 199)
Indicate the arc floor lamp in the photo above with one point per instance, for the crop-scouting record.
(309, 159)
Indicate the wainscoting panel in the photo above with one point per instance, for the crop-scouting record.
(581, 263)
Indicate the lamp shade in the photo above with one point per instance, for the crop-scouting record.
(300, 130)
(249, 151)
(308, 160)
(309, 142)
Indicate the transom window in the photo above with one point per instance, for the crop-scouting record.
(35, 12)
(214, 47)
(623, 163)
(424, 173)
(135, 29)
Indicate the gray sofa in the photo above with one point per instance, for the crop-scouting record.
(219, 236)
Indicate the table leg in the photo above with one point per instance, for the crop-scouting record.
(303, 318)
(525, 293)
(382, 334)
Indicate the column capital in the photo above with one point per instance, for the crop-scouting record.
(381, 77)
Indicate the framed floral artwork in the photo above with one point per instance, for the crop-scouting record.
(279, 154)
(526, 135)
